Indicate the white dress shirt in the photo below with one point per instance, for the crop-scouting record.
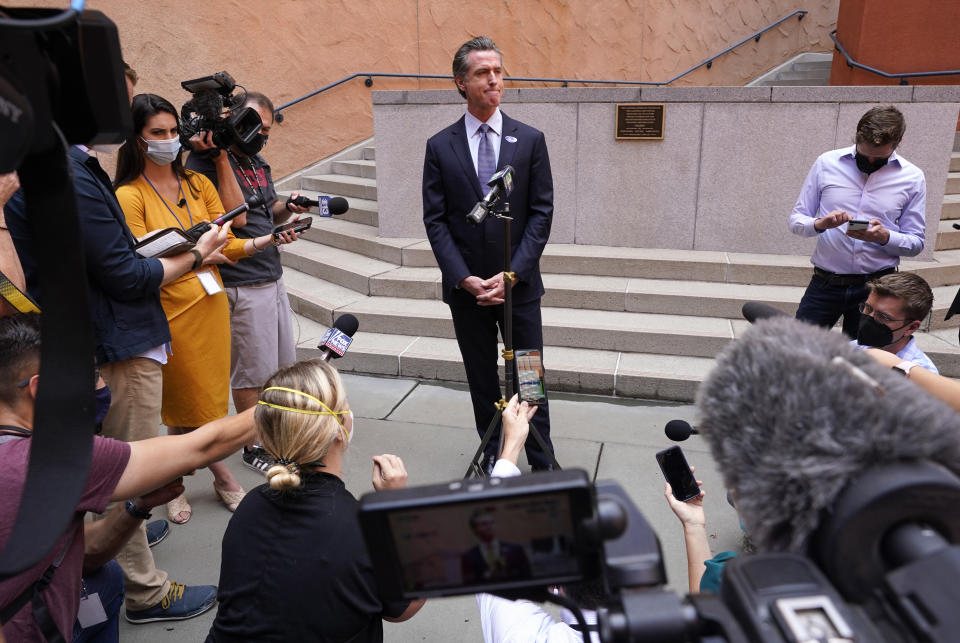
(473, 124)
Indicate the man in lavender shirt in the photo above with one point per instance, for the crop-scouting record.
(866, 206)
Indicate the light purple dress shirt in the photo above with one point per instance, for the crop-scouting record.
(895, 194)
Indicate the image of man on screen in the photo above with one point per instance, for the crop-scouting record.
(491, 558)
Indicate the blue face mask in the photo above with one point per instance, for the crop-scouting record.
(101, 405)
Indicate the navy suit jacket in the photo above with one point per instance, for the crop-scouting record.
(128, 318)
(451, 189)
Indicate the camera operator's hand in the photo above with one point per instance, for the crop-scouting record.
(202, 141)
(516, 426)
(388, 472)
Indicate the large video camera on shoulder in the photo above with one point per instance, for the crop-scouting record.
(215, 108)
(890, 547)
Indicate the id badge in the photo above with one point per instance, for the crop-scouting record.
(91, 611)
(209, 282)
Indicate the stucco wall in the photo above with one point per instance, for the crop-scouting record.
(725, 176)
(287, 48)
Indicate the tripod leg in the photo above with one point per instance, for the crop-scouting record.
(474, 469)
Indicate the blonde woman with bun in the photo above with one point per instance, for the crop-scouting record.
(294, 564)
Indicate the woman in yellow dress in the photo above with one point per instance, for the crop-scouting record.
(156, 192)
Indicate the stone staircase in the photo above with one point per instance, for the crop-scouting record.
(642, 323)
(804, 69)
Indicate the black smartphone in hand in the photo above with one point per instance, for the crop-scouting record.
(675, 469)
(297, 226)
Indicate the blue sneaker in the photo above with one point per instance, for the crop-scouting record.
(181, 602)
(157, 531)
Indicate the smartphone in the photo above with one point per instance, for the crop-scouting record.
(530, 377)
(675, 469)
(858, 224)
(297, 226)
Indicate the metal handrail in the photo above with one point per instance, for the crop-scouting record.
(708, 63)
(902, 76)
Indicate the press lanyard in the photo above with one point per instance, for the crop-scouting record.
(254, 187)
(187, 203)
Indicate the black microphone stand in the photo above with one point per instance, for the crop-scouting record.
(502, 212)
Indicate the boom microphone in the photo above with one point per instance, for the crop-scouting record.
(754, 310)
(793, 414)
(679, 430)
(328, 205)
(337, 339)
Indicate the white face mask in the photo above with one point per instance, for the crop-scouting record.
(164, 151)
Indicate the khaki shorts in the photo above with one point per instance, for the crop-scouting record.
(261, 333)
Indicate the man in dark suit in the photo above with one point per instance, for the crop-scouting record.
(459, 161)
(491, 558)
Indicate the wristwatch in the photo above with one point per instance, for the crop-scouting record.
(135, 511)
(904, 368)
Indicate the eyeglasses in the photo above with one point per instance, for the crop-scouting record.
(883, 318)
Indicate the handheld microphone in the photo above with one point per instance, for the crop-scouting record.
(755, 310)
(501, 185)
(679, 430)
(201, 228)
(328, 205)
(337, 339)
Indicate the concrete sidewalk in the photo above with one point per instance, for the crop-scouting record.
(431, 427)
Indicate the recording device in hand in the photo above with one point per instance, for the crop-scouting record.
(501, 185)
(327, 205)
(677, 472)
(679, 430)
(530, 377)
(337, 339)
(215, 108)
(201, 228)
(298, 226)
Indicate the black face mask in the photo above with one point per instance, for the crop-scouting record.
(865, 166)
(873, 333)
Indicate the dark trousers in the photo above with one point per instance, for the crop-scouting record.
(823, 304)
(477, 333)
(107, 582)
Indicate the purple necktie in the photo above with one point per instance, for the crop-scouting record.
(486, 160)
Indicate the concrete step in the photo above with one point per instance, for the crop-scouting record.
(359, 238)
(569, 327)
(951, 207)
(634, 375)
(364, 168)
(948, 238)
(953, 183)
(796, 82)
(818, 65)
(955, 162)
(816, 76)
(369, 153)
(348, 186)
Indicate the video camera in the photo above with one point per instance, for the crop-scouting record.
(215, 108)
(562, 530)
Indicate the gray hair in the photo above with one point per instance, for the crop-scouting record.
(460, 64)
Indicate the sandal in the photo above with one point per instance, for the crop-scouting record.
(230, 498)
(177, 507)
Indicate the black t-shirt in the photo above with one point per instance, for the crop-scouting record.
(253, 175)
(295, 568)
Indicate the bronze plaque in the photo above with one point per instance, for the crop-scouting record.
(639, 122)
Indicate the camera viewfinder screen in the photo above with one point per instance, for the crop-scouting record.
(485, 543)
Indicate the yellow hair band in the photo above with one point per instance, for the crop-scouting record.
(328, 411)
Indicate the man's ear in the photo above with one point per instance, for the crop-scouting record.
(32, 386)
(913, 327)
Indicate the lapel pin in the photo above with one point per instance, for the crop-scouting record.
(510, 139)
